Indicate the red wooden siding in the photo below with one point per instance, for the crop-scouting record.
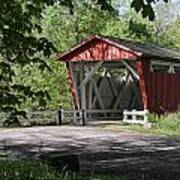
(162, 90)
(98, 50)
(73, 90)
(141, 71)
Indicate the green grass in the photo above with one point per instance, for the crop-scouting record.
(36, 170)
(168, 124)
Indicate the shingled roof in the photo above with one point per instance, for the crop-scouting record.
(147, 50)
(144, 49)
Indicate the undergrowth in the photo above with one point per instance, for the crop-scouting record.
(167, 124)
(36, 170)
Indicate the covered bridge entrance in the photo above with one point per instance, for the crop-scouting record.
(109, 75)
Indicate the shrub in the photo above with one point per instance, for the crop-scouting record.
(153, 118)
(169, 122)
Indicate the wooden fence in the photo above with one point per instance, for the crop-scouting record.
(136, 117)
(80, 117)
(34, 118)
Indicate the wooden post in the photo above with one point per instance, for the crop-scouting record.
(131, 69)
(125, 118)
(87, 78)
(134, 115)
(75, 86)
(91, 73)
(143, 67)
(90, 97)
(146, 112)
(74, 116)
(118, 98)
(147, 124)
(83, 97)
(60, 117)
(98, 94)
(83, 117)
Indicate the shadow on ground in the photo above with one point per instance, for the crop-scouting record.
(93, 150)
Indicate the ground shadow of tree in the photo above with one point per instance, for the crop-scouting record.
(147, 158)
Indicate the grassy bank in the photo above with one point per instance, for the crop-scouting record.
(35, 170)
(168, 124)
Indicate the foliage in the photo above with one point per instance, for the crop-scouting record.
(26, 170)
(171, 37)
(65, 29)
(145, 7)
(153, 118)
(25, 48)
(168, 124)
(19, 48)
(54, 82)
(131, 26)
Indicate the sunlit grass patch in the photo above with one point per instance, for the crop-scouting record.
(168, 124)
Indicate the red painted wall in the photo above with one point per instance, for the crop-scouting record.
(161, 90)
(98, 50)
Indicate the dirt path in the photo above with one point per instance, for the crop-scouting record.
(98, 150)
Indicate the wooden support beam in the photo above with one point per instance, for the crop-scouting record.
(141, 66)
(75, 86)
(83, 84)
(131, 69)
(90, 95)
(100, 86)
(98, 94)
(112, 84)
(134, 96)
(89, 75)
(83, 97)
(115, 104)
(81, 71)
(99, 89)
(163, 63)
(72, 86)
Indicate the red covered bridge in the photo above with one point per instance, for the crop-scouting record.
(111, 74)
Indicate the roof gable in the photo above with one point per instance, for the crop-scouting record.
(98, 48)
(108, 48)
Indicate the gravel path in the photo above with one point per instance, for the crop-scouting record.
(97, 150)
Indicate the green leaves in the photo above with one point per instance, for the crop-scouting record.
(137, 4)
(21, 47)
(145, 7)
(147, 11)
(106, 5)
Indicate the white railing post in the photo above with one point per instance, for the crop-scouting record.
(125, 116)
(146, 112)
(146, 123)
(134, 115)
